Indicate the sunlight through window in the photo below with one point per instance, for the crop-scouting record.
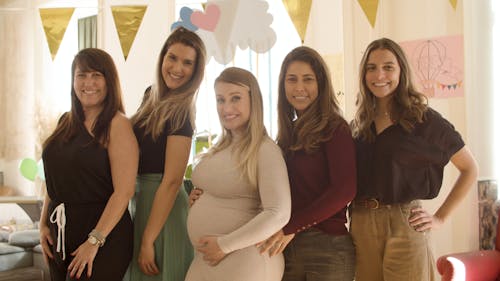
(265, 66)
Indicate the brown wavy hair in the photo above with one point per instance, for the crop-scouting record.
(91, 59)
(407, 105)
(177, 105)
(320, 119)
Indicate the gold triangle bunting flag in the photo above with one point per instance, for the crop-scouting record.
(127, 21)
(370, 9)
(299, 11)
(54, 22)
(454, 4)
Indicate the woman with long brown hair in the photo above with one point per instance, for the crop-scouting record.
(90, 165)
(320, 159)
(164, 127)
(402, 146)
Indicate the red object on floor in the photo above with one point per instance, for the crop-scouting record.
(483, 265)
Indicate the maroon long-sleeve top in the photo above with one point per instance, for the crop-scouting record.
(322, 183)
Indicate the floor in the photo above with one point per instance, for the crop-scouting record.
(22, 274)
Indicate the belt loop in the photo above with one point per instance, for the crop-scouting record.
(58, 216)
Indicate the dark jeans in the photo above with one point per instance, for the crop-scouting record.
(316, 256)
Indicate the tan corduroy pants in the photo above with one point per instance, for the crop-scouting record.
(387, 247)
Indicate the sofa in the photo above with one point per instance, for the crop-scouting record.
(482, 265)
(21, 249)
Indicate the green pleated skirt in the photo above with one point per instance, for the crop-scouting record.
(173, 250)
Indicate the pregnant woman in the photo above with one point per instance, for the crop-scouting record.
(246, 194)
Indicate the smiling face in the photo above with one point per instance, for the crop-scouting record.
(90, 88)
(178, 65)
(382, 73)
(233, 106)
(301, 86)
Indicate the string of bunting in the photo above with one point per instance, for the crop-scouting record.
(370, 8)
(453, 86)
(127, 22)
(128, 19)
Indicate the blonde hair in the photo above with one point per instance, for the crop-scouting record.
(407, 105)
(247, 148)
(176, 106)
(320, 119)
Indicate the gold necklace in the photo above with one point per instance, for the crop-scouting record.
(385, 116)
(385, 113)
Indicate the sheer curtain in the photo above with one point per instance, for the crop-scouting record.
(16, 92)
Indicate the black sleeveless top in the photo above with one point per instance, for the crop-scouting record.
(78, 172)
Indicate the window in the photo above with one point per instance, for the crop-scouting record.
(87, 32)
(264, 66)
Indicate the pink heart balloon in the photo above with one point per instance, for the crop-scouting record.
(208, 20)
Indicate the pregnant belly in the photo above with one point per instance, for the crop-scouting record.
(215, 216)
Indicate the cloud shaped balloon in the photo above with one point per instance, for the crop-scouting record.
(227, 24)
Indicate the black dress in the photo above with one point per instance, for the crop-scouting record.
(78, 174)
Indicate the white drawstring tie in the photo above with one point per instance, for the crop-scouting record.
(59, 216)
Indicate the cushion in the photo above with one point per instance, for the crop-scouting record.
(4, 236)
(39, 262)
(37, 249)
(12, 257)
(25, 238)
(6, 249)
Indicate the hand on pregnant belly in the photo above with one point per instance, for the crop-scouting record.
(210, 249)
(194, 195)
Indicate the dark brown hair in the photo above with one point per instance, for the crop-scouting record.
(407, 105)
(91, 59)
(320, 119)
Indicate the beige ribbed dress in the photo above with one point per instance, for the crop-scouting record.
(239, 215)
